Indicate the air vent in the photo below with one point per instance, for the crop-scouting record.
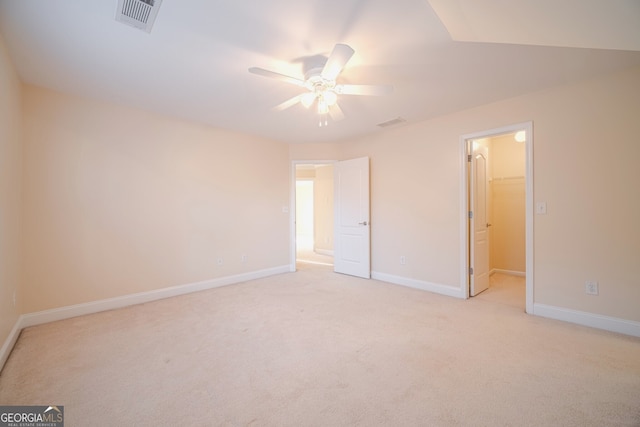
(392, 122)
(140, 14)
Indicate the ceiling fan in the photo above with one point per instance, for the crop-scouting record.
(321, 87)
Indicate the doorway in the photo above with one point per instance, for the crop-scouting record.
(498, 214)
(341, 214)
(314, 213)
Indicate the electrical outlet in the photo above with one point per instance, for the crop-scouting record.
(220, 261)
(403, 260)
(243, 258)
(591, 287)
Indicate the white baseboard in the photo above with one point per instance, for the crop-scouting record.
(509, 272)
(52, 315)
(607, 323)
(612, 324)
(10, 342)
(46, 316)
(419, 284)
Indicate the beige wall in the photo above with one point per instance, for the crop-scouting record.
(10, 195)
(585, 153)
(507, 157)
(508, 196)
(305, 172)
(313, 152)
(415, 200)
(119, 201)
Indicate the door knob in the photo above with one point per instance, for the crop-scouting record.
(363, 223)
(488, 225)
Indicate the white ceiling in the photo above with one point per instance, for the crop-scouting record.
(194, 62)
(596, 24)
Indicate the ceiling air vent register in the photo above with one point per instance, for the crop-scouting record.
(139, 14)
(392, 122)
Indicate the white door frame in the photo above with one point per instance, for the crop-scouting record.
(292, 204)
(529, 211)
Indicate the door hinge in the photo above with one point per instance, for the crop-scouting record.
(470, 214)
(468, 157)
(470, 270)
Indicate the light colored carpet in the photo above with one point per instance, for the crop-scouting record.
(315, 348)
(311, 257)
(505, 289)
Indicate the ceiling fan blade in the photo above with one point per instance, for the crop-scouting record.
(288, 103)
(272, 74)
(339, 57)
(336, 112)
(371, 90)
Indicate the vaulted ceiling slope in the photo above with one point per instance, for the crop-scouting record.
(440, 56)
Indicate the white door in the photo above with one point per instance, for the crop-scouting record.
(351, 224)
(479, 256)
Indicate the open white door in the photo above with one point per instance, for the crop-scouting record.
(352, 254)
(479, 245)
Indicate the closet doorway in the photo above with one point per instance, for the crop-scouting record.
(498, 215)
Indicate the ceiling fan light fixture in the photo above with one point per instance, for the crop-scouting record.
(320, 85)
(307, 99)
(337, 59)
(323, 108)
(330, 97)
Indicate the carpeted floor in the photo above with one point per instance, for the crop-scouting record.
(315, 348)
(505, 289)
(311, 257)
